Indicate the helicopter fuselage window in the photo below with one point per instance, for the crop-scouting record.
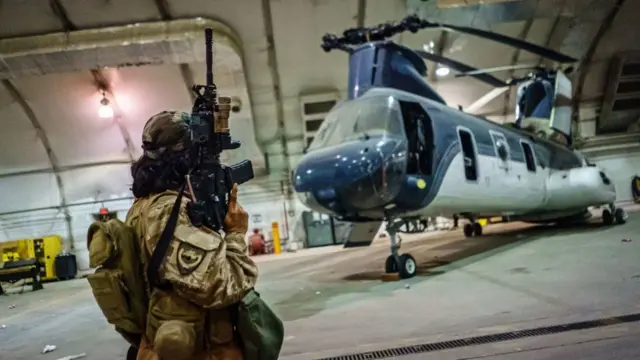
(419, 130)
(469, 155)
(528, 156)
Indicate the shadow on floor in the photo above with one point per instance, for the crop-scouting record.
(465, 251)
(333, 281)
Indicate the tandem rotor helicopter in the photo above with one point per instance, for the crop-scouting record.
(394, 151)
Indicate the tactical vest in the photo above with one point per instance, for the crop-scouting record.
(118, 284)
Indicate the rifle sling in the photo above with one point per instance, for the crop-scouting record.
(160, 251)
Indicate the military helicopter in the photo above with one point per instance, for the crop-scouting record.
(394, 151)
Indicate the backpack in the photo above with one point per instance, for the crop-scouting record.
(118, 284)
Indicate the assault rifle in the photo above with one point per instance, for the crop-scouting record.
(210, 181)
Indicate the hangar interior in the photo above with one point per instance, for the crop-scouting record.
(81, 78)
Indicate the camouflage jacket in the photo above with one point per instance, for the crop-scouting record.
(203, 267)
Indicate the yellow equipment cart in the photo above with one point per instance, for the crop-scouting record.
(43, 250)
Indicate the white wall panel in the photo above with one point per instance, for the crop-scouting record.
(621, 169)
(28, 192)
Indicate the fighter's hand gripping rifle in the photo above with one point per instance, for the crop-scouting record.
(210, 181)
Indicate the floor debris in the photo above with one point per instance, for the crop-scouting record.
(73, 357)
(49, 348)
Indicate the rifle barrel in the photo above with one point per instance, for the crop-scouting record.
(208, 39)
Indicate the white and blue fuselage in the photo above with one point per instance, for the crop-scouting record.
(391, 153)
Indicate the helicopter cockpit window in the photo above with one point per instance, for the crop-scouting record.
(376, 117)
(355, 119)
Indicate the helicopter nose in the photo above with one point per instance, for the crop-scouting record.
(353, 176)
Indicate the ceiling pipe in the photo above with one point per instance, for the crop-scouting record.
(118, 36)
(46, 208)
(268, 185)
(65, 168)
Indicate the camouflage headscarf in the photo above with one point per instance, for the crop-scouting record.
(165, 131)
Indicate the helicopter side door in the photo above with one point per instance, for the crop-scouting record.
(532, 178)
(469, 154)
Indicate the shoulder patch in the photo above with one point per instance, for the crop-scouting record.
(189, 258)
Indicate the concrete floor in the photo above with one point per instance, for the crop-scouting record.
(333, 302)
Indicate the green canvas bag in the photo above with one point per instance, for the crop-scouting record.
(260, 329)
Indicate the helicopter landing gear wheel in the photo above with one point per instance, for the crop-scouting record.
(472, 229)
(614, 214)
(620, 216)
(477, 229)
(405, 264)
(468, 230)
(391, 265)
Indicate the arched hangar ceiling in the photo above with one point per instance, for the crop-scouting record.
(55, 55)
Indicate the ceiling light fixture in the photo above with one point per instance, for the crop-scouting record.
(105, 111)
(442, 71)
(429, 47)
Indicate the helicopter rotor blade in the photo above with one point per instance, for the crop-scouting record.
(520, 44)
(518, 80)
(460, 67)
(485, 99)
(498, 69)
(491, 95)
